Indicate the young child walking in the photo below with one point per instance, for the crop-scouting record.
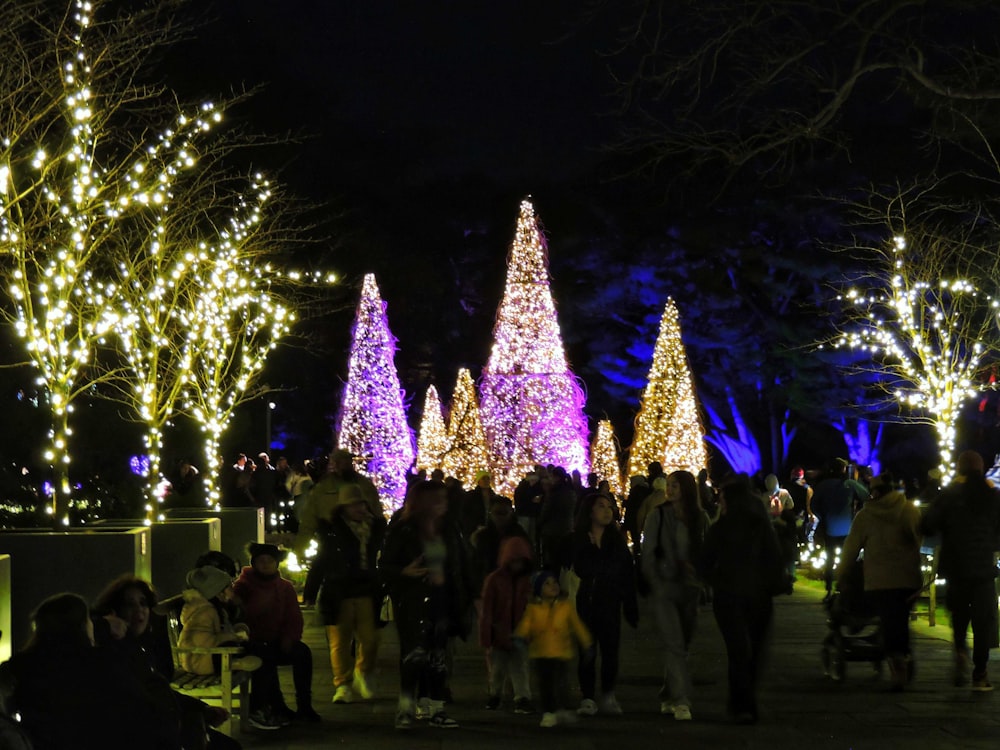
(506, 592)
(550, 626)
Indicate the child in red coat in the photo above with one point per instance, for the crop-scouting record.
(506, 592)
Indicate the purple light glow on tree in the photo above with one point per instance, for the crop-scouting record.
(371, 423)
(531, 404)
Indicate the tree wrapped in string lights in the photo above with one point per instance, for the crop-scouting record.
(371, 423)
(668, 426)
(531, 404)
(74, 191)
(604, 457)
(467, 454)
(432, 439)
(923, 324)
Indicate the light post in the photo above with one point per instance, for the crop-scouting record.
(267, 421)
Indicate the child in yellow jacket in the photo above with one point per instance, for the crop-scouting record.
(550, 626)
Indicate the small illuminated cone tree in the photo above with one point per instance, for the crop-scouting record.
(604, 457)
(467, 454)
(925, 327)
(432, 439)
(668, 427)
(371, 422)
(531, 404)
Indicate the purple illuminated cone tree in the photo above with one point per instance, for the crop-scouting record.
(432, 439)
(668, 427)
(371, 423)
(531, 404)
(467, 454)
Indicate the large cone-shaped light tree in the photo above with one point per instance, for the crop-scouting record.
(467, 454)
(371, 422)
(532, 405)
(668, 427)
(432, 439)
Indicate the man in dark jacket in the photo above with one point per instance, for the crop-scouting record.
(967, 515)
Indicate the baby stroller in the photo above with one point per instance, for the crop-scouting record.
(853, 632)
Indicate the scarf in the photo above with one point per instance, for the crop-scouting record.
(363, 531)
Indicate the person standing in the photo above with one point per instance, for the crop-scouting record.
(671, 544)
(888, 530)
(604, 565)
(967, 515)
(425, 568)
(742, 562)
(350, 593)
(833, 503)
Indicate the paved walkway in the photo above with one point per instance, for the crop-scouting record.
(800, 707)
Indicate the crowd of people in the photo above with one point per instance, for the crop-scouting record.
(544, 580)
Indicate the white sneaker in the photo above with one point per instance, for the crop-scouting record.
(609, 704)
(682, 713)
(587, 708)
(549, 720)
(666, 707)
(344, 694)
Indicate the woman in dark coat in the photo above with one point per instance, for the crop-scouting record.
(426, 570)
(742, 561)
(602, 561)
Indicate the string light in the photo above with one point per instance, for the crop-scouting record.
(432, 439)
(926, 336)
(604, 458)
(668, 427)
(371, 423)
(531, 404)
(467, 454)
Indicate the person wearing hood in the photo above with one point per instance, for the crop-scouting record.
(506, 592)
(888, 530)
(205, 623)
(271, 611)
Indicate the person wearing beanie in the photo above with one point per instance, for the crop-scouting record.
(205, 623)
(553, 630)
(888, 530)
(271, 611)
(967, 515)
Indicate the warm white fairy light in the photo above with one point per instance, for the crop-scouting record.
(467, 454)
(928, 335)
(102, 256)
(604, 458)
(432, 438)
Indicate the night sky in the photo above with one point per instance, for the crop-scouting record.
(418, 128)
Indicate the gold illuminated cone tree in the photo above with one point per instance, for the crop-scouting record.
(604, 457)
(531, 404)
(371, 423)
(467, 454)
(924, 325)
(668, 427)
(432, 438)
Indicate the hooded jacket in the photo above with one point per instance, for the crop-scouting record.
(550, 629)
(202, 627)
(270, 608)
(888, 530)
(505, 595)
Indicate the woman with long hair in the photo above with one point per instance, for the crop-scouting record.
(603, 563)
(671, 544)
(426, 569)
